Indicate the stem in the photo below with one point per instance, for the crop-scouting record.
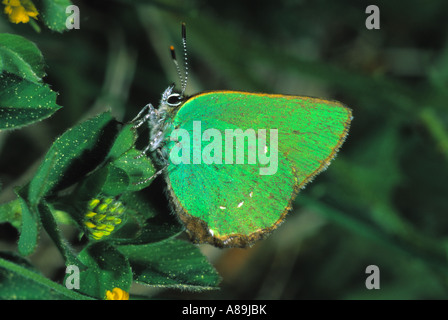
(34, 25)
(436, 129)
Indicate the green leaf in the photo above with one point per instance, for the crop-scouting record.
(116, 182)
(11, 212)
(73, 155)
(137, 169)
(125, 140)
(21, 57)
(32, 217)
(53, 13)
(172, 263)
(146, 202)
(30, 223)
(155, 229)
(128, 166)
(23, 102)
(21, 281)
(106, 269)
(152, 220)
(122, 173)
(90, 187)
(51, 227)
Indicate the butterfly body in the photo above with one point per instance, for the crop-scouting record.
(235, 161)
(233, 191)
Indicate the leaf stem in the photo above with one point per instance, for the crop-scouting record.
(436, 129)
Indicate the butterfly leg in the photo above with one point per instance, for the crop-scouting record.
(139, 117)
(155, 144)
(162, 156)
(143, 153)
(150, 116)
(155, 175)
(162, 152)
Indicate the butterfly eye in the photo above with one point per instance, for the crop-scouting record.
(174, 100)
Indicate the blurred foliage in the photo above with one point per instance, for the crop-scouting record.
(383, 199)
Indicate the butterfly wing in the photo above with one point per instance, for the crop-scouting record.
(236, 204)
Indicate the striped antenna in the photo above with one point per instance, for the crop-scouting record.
(173, 56)
(184, 44)
(183, 81)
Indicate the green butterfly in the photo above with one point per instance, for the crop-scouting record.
(235, 161)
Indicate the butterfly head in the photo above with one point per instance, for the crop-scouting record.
(171, 100)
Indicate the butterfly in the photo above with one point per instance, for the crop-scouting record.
(234, 161)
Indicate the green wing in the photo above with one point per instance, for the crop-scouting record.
(235, 204)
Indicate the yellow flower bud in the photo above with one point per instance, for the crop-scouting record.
(117, 294)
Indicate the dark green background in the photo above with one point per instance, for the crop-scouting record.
(383, 201)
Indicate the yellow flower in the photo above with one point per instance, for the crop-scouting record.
(102, 216)
(20, 10)
(117, 294)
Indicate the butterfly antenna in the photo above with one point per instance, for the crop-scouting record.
(173, 56)
(184, 44)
